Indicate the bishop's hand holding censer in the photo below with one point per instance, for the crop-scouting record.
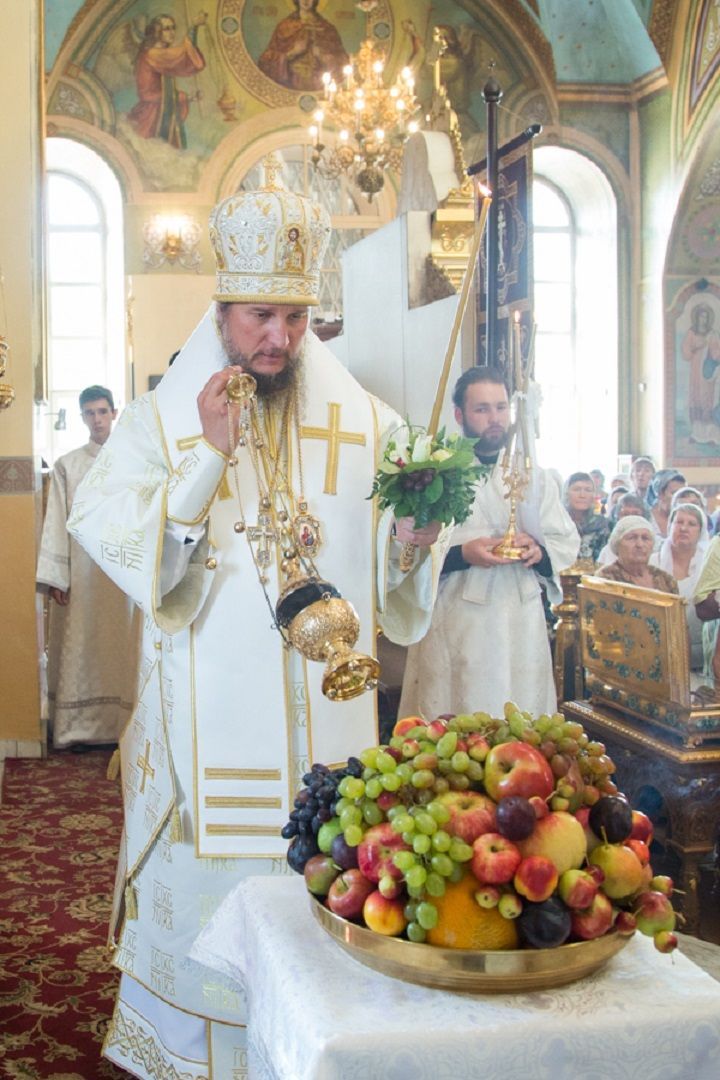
(310, 613)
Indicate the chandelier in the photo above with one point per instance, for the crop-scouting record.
(372, 121)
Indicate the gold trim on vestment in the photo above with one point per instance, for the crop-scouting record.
(243, 802)
(161, 430)
(193, 728)
(169, 1001)
(243, 830)
(242, 774)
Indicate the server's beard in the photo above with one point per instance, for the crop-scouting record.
(267, 385)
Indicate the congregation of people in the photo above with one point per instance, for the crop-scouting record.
(652, 529)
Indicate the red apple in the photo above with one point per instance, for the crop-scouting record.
(595, 921)
(642, 827)
(407, 724)
(665, 941)
(662, 883)
(376, 850)
(477, 746)
(383, 915)
(510, 905)
(654, 912)
(625, 923)
(348, 894)
(540, 807)
(436, 730)
(495, 859)
(622, 869)
(488, 896)
(471, 814)
(320, 872)
(560, 838)
(536, 878)
(577, 888)
(515, 768)
(641, 850)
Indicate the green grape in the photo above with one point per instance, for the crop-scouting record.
(466, 721)
(353, 787)
(442, 864)
(517, 725)
(555, 733)
(456, 873)
(459, 761)
(447, 744)
(427, 915)
(386, 762)
(423, 778)
(374, 787)
(353, 835)
(441, 785)
(474, 771)
(459, 851)
(403, 822)
(572, 729)
(395, 811)
(351, 815)
(410, 910)
(371, 812)
(435, 884)
(417, 892)
(543, 723)
(369, 757)
(502, 733)
(444, 766)
(441, 840)
(367, 774)
(397, 742)
(439, 812)
(408, 837)
(415, 932)
(404, 860)
(404, 771)
(425, 823)
(341, 804)
(421, 844)
(416, 876)
(583, 741)
(391, 781)
(459, 781)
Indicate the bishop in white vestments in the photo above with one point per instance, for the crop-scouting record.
(488, 643)
(94, 629)
(196, 507)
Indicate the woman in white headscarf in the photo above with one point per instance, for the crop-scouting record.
(631, 542)
(681, 554)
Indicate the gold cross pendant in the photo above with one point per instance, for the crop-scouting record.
(263, 534)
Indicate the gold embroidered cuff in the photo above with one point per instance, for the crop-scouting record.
(194, 484)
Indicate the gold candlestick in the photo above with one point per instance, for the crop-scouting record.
(515, 481)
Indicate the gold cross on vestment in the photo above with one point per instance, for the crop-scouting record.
(264, 534)
(334, 437)
(144, 764)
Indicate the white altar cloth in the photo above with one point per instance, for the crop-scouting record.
(317, 1014)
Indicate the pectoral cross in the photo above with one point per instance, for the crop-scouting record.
(334, 437)
(188, 444)
(144, 764)
(264, 535)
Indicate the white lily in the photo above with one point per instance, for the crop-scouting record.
(421, 449)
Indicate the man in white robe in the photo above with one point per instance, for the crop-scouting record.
(94, 632)
(195, 523)
(488, 642)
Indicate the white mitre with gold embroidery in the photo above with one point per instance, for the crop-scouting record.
(269, 245)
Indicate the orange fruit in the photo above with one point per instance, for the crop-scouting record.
(463, 924)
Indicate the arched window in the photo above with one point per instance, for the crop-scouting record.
(576, 311)
(85, 288)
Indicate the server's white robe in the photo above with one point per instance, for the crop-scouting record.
(228, 720)
(488, 642)
(94, 641)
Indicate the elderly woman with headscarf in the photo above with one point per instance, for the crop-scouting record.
(628, 504)
(681, 554)
(579, 500)
(664, 485)
(632, 541)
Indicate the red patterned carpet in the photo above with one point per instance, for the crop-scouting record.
(60, 825)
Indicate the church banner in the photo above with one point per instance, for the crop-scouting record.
(514, 268)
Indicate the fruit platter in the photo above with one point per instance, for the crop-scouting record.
(479, 853)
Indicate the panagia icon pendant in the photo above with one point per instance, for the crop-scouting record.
(306, 531)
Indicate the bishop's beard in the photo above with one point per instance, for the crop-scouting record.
(268, 386)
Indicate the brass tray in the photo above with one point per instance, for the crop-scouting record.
(469, 970)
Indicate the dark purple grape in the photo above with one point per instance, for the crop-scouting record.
(306, 814)
(300, 850)
(302, 797)
(545, 925)
(342, 854)
(294, 815)
(515, 817)
(611, 819)
(323, 814)
(288, 831)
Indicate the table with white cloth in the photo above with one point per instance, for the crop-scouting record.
(315, 1013)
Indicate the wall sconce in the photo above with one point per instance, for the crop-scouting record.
(171, 239)
(7, 393)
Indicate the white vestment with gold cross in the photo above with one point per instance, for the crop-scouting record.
(228, 719)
